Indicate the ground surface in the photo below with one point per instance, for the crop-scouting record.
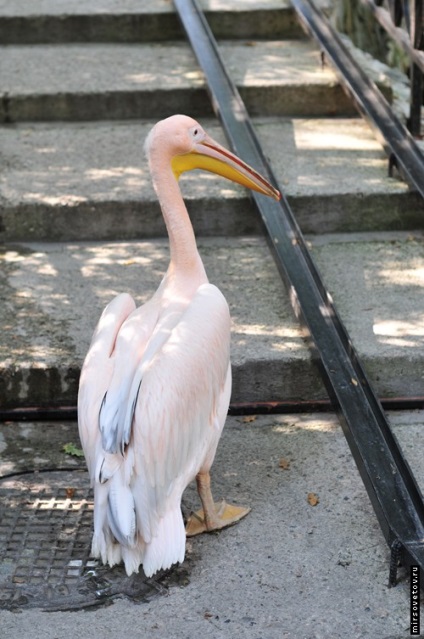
(289, 570)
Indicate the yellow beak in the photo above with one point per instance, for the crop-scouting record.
(211, 156)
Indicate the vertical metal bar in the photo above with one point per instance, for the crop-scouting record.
(391, 486)
(394, 136)
(414, 121)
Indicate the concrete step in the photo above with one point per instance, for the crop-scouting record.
(120, 81)
(54, 293)
(90, 182)
(58, 21)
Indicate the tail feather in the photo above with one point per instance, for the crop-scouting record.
(103, 544)
(105, 547)
(133, 557)
(118, 534)
(167, 547)
(121, 512)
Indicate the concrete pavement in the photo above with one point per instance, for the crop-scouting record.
(289, 570)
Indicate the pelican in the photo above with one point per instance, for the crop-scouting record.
(155, 385)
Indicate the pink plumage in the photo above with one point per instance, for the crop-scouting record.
(156, 383)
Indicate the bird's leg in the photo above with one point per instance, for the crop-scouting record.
(214, 516)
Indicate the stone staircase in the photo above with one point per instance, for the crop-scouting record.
(82, 83)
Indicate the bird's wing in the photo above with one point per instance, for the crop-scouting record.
(103, 365)
(176, 414)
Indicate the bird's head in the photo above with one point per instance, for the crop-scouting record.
(187, 146)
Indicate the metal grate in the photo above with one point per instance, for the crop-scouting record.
(45, 539)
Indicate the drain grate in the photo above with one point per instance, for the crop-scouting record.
(45, 540)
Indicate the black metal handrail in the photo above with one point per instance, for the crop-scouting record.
(391, 486)
(396, 139)
(409, 14)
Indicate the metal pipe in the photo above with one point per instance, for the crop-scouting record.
(391, 486)
(69, 413)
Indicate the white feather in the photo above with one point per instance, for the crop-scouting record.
(156, 382)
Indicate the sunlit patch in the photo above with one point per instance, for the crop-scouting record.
(404, 276)
(65, 199)
(117, 171)
(196, 76)
(123, 255)
(281, 338)
(322, 135)
(402, 333)
(323, 423)
(12, 257)
(140, 78)
(48, 269)
(282, 63)
(46, 150)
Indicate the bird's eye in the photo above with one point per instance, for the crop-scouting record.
(196, 132)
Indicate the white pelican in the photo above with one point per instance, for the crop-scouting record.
(155, 385)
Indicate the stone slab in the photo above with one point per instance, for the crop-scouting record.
(376, 281)
(54, 294)
(21, 8)
(89, 181)
(110, 81)
(47, 21)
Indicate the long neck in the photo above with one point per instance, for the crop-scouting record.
(182, 242)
